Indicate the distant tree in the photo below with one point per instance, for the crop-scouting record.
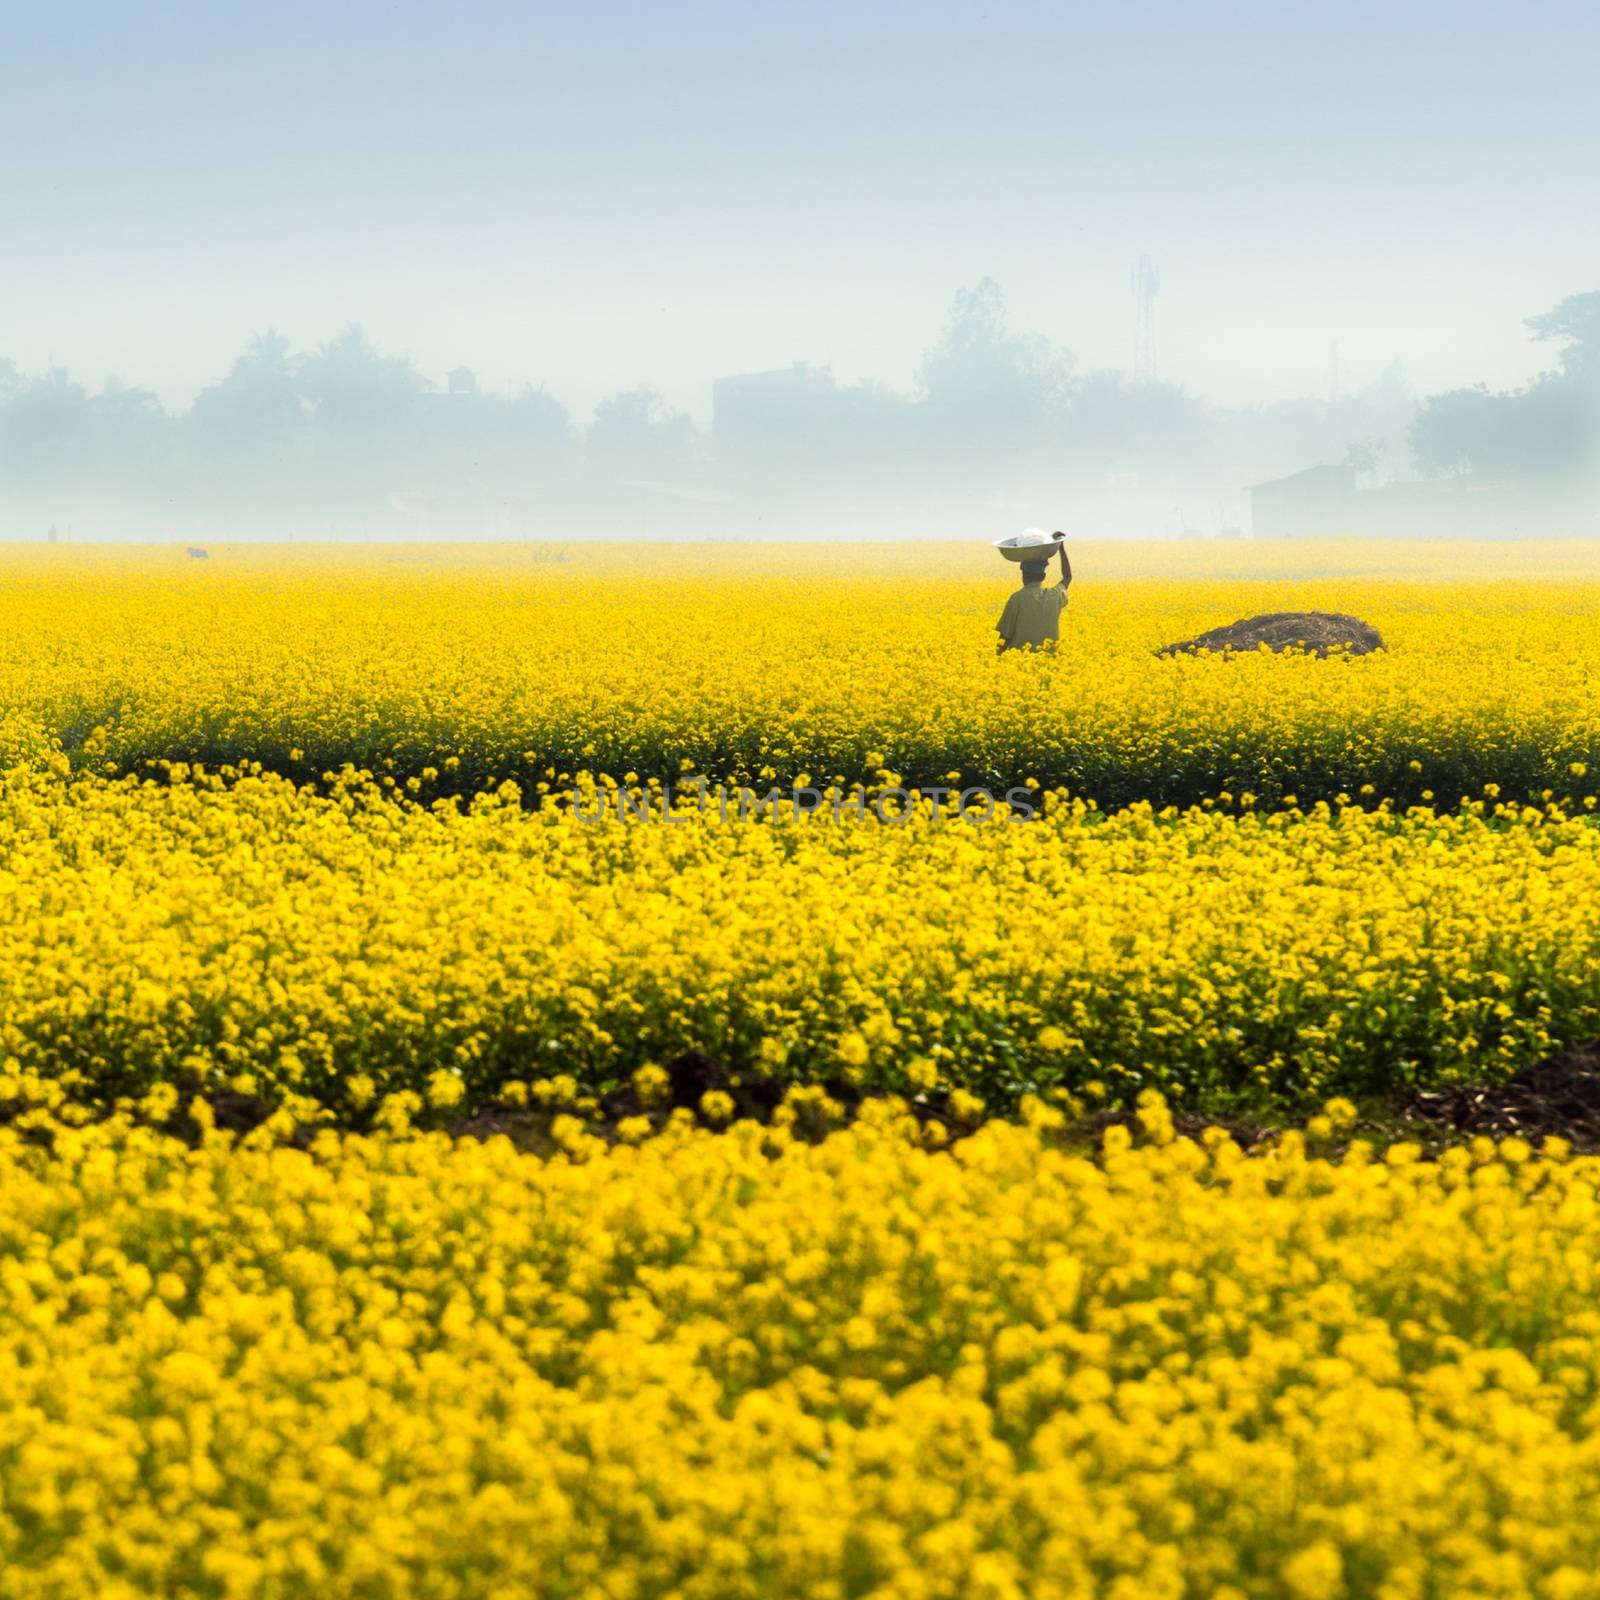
(134, 454)
(259, 398)
(1576, 323)
(540, 420)
(636, 434)
(352, 385)
(1149, 433)
(249, 439)
(875, 427)
(47, 429)
(122, 407)
(480, 462)
(1379, 412)
(980, 368)
(1545, 434)
(991, 397)
(1559, 426)
(127, 420)
(1361, 456)
(1461, 430)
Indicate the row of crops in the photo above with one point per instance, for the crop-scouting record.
(455, 675)
(242, 932)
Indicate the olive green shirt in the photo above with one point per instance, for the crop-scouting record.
(1032, 616)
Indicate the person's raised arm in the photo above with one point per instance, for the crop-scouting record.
(1066, 566)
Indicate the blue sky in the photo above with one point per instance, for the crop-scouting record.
(594, 195)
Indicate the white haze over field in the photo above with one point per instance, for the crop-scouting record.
(420, 271)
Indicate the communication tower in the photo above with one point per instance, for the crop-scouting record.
(1144, 283)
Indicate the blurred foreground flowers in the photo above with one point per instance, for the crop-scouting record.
(736, 1364)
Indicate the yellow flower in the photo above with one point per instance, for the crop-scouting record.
(445, 1090)
(965, 1106)
(1315, 1573)
(652, 1084)
(716, 1106)
(852, 1049)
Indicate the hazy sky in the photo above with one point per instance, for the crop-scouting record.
(593, 194)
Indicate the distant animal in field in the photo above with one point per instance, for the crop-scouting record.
(195, 553)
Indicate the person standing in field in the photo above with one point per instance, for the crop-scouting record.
(1032, 617)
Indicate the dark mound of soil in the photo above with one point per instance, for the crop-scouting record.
(1316, 632)
(1559, 1096)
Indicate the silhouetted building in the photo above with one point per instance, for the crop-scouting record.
(754, 407)
(1463, 508)
(1324, 501)
(1305, 505)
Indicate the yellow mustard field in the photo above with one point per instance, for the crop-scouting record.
(374, 848)
(351, 944)
(759, 663)
(743, 1365)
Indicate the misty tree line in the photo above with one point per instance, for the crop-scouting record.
(348, 439)
(1546, 433)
